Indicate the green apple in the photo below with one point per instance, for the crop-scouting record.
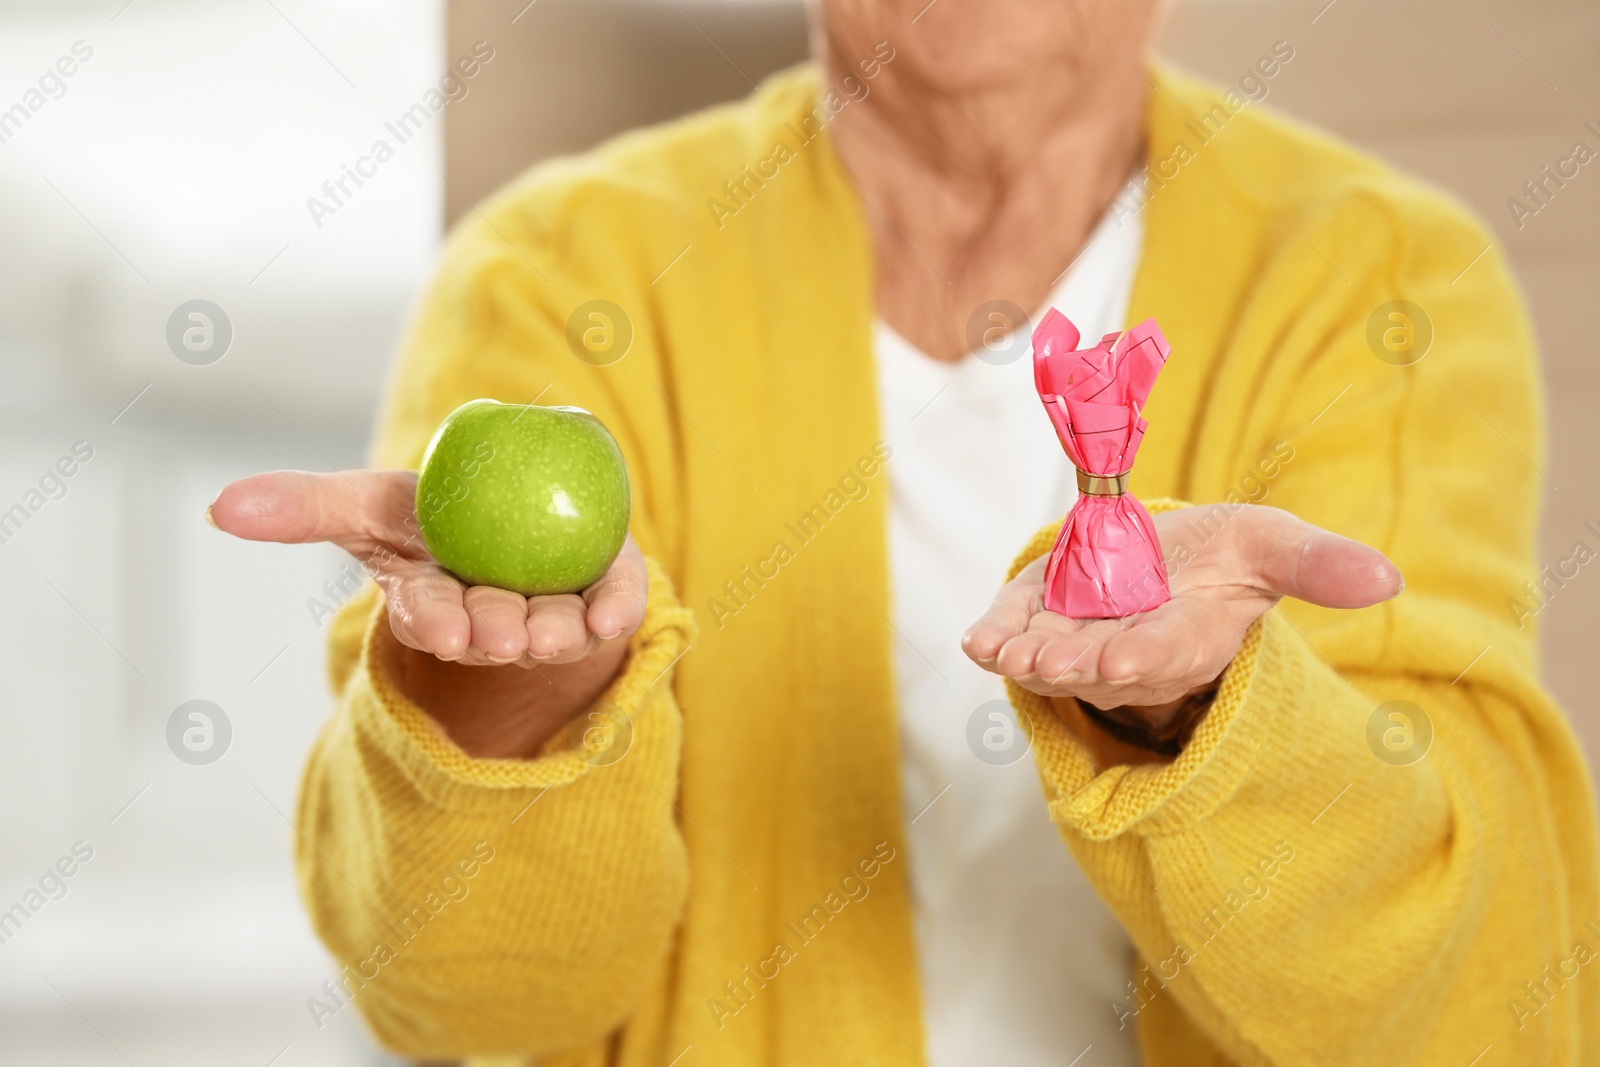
(530, 499)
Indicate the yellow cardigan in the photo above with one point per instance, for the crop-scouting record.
(733, 889)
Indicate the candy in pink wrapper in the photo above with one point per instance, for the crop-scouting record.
(1106, 563)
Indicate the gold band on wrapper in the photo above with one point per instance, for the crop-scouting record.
(1102, 485)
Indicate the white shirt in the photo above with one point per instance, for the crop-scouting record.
(1020, 961)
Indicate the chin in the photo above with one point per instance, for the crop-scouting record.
(963, 46)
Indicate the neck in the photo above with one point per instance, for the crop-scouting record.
(984, 194)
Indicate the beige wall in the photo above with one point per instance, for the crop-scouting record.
(569, 73)
(1474, 95)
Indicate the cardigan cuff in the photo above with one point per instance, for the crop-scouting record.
(386, 721)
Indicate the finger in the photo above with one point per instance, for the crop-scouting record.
(1016, 603)
(1017, 657)
(499, 622)
(616, 602)
(426, 611)
(355, 510)
(1067, 661)
(557, 630)
(1291, 557)
(1071, 658)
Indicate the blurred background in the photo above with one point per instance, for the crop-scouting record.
(174, 163)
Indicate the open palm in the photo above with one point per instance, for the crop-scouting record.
(1227, 567)
(369, 513)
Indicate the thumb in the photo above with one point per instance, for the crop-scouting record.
(1291, 557)
(356, 510)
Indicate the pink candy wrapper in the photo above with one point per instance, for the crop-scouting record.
(1106, 563)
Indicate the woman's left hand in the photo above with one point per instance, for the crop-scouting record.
(1236, 565)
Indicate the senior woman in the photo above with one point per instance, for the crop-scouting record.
(811, 836)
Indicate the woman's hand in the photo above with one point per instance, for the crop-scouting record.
(500, 671)
(1226, 570)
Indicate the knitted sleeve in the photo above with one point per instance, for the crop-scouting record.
(1383, 828)
(493, 907)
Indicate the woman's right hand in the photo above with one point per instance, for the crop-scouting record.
(501, 672)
